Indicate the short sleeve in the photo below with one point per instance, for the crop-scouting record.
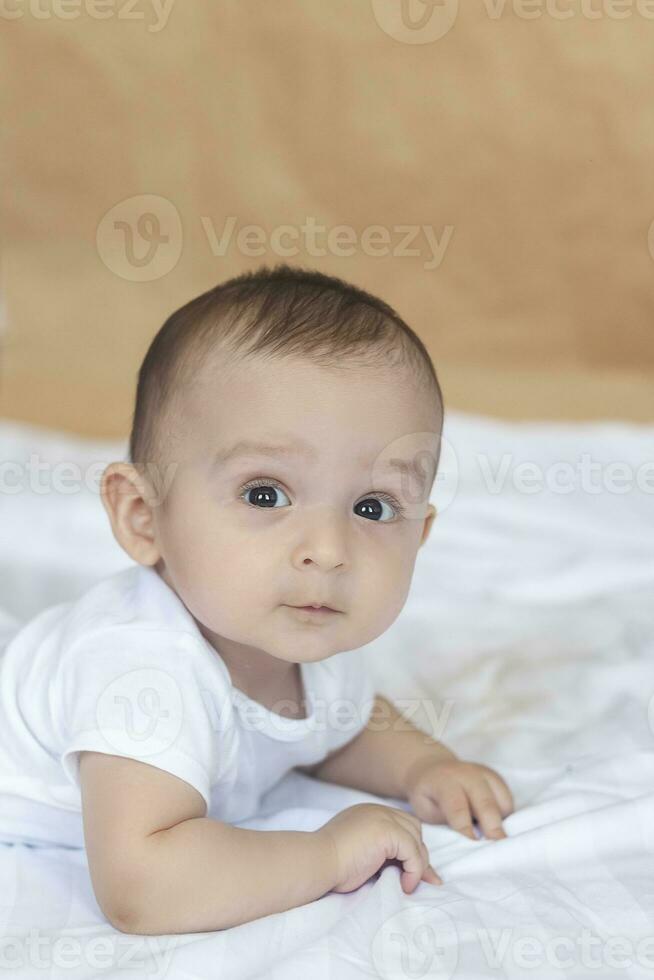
(151, 695)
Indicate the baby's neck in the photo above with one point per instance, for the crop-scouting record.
(263, 678)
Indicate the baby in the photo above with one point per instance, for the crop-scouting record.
(145, 719)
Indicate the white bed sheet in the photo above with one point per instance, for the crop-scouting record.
(527, 643)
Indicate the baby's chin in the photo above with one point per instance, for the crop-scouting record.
(296, 650)
(294, 645)
(296, 636)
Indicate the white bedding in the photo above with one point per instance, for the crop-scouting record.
(528, 637)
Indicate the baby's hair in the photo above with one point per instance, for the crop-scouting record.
(279, 311)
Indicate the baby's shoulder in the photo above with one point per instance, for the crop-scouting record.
(135, 596)
(128, 620)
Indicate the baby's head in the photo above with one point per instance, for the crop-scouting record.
(284, 445)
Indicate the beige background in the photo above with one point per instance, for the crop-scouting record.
(529, 137)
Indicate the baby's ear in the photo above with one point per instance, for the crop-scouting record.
(429, 520)
(128, 499)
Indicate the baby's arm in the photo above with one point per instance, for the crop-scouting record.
(390, 757)
(158, 865)
(381, 758)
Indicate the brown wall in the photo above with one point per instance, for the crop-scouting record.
(529, 138)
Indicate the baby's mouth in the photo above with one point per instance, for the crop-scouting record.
(317, 610)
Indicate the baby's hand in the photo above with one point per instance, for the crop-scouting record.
(450, 790)
(365, 836)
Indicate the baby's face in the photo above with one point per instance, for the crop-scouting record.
(320, 527)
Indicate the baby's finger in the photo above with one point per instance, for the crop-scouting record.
(454, 804)
(430, 876)
(486, 810)
(414, 827)
(410, 854)
(501, 792)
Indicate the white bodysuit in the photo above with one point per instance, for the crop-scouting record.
(125, 670)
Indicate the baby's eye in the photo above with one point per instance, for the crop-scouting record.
(265, 493)
(372, 508)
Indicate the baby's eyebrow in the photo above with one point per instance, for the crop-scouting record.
(253, 447)
(299, 447)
